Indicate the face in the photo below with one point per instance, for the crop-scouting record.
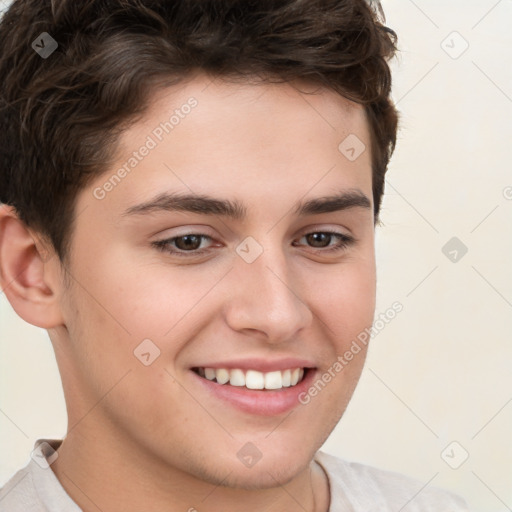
(270, 277)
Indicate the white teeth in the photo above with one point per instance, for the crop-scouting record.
(209, 373)
(237, 378)
(273, 380)
(286, 378)
(253, 379)
(222, 375)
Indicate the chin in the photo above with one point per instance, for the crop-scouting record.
(275, 467)
(264, 475)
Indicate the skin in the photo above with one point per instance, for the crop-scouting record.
(148, 435)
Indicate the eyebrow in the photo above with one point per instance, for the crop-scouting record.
(206, 205)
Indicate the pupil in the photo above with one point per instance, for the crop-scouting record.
(315, 237)
(191, 241)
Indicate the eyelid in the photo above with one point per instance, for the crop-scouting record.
(344, 240)
(326, 228)
(192, 229)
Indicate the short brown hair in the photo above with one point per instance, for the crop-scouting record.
(61, 116)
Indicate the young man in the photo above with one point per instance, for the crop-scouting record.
(190, 197)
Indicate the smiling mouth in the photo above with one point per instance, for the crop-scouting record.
(253, 379)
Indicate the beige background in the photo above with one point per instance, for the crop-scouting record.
(440, 372)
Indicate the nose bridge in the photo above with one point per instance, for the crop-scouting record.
(266, 296)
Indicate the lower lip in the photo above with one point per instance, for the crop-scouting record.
(261, 402)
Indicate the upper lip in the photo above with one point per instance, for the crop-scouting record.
(261, 365)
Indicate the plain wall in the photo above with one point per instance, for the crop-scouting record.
(440, 372)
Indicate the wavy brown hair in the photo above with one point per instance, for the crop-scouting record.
(61, 116)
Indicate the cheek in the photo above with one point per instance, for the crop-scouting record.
(138, 300)
(346, 302)
(125, 301)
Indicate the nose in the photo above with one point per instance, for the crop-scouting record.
(267, 298)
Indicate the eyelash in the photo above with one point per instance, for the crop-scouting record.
(163, 245)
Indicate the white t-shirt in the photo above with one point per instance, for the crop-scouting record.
(354, 488)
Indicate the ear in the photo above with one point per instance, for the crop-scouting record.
(27, 273)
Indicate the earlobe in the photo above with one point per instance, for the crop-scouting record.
(22, 273)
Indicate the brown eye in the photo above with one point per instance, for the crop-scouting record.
(185, 245)
(188, 242)
(321, 240)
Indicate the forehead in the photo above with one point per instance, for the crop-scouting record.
(266, 140)
(261, 106)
